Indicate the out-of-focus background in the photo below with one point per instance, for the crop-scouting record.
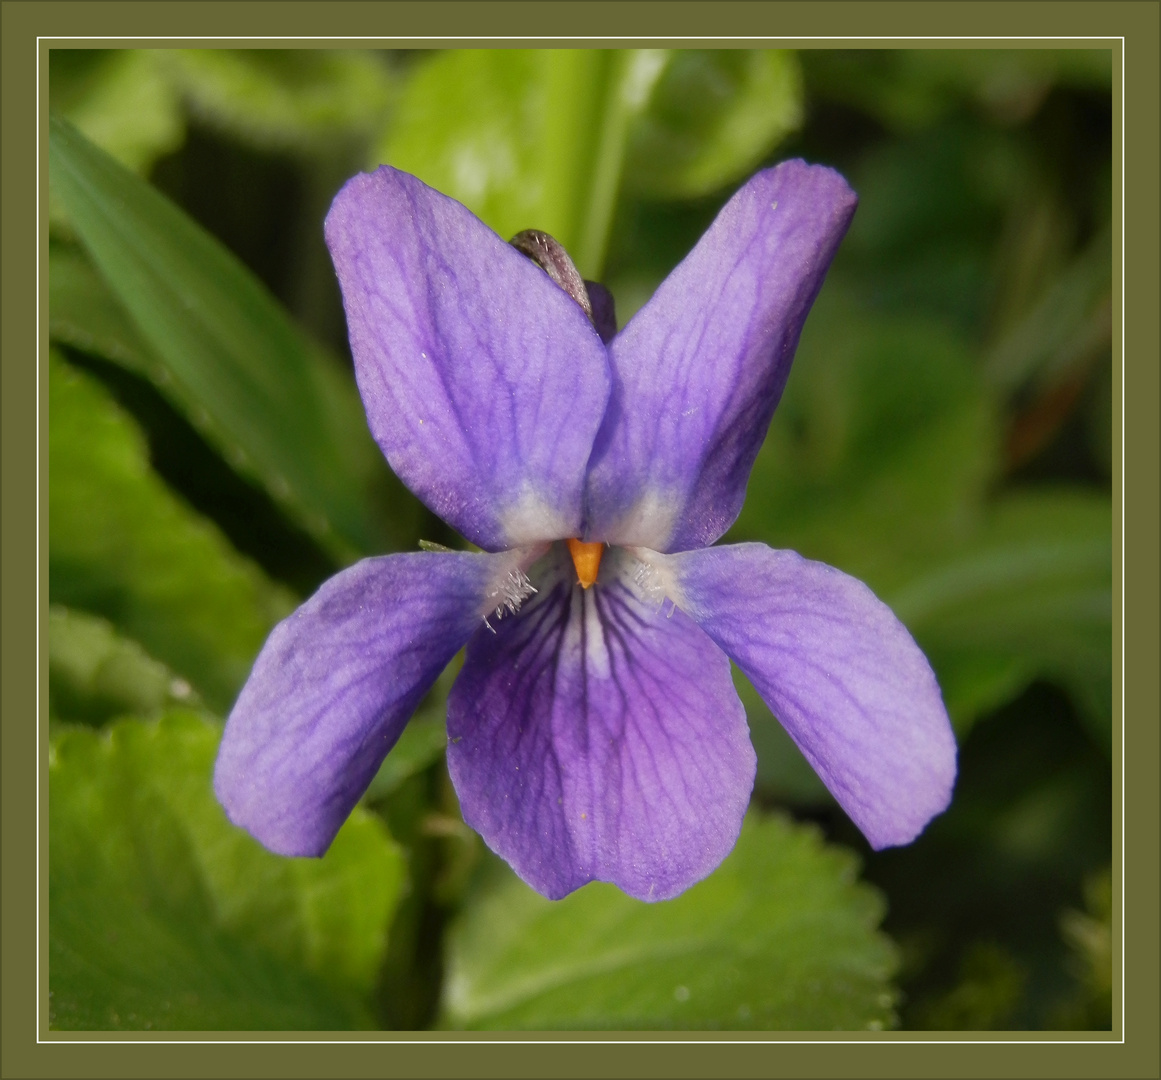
(946, 435)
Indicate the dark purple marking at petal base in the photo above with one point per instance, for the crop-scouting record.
(698, 371)
(333, 688)
(839, 671)
(596, 736)
(484, 383)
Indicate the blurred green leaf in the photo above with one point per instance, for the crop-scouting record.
(472, 124)
(122, 546)
(1099, 419)
(95, 674)
(84, 314)
(1071, 323)
(913, 89)
(881, 449)
(1032, 589)
(425, 738)
(878, 462)
(268, 399)
(525, 138)
(783, 773)
(930, 208)
(299, 99)
(712, 117)
(162, 915)
(1089, 935)
(421, 744)
(1045, 356)
(779, 937)
(987, 997)
(973, 683)
(121, 99)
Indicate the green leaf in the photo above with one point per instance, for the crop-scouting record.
(120, 99)
(1089, 935)
(257, 389)
(878, 462)
(421, 744)
(123, 547)
(780, 937)
(1058, 338)
(424, 739)
(911, 89)
(987, 997)
(712, 117)
(95, 674)
(1032, 590)
(525, 138)
(783, 773)
(84, 314)
(881, 450)
(930, 206)
(162, 915)
(298, 99)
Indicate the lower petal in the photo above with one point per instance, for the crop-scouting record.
(598, 736)
(334, 686)
(841, 673)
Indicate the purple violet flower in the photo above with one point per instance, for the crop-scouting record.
(594, 732)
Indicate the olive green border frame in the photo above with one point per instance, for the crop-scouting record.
(28, 1050)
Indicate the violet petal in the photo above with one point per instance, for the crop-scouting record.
(698, 371)
(484, 383)
(334, 686)
(596, 736)
(839, 671)
(604, 310)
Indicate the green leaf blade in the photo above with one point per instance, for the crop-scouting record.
(84, 314)
(1030, 594)
(303, 100)
(164, 916)
(779, 937)
(95, 674)
(882, 447)
(473, 124)
(711, 119)
(121, 99)
(123, 547)
(238, 367)
(526, 138)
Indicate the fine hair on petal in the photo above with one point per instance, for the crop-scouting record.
(509, 593)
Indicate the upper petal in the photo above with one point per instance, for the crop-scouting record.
(334, 686)
(698, 371)
(839, 671)
(596, 736)
(484, 383)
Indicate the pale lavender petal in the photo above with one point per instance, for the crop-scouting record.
(698, 371)
(839, 671)
(597, 736)
(484, 382)
(334, 686)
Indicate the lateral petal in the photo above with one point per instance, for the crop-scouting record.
(484, 382)
(596, 736)
(699, 369)
(839, 671)
(334, 686)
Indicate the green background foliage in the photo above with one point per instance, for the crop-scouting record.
(946, 435)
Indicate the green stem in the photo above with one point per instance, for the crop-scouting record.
(631, 80)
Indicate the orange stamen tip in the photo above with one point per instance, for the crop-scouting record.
(587, 560)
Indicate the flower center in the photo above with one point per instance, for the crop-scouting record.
(587, 560)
